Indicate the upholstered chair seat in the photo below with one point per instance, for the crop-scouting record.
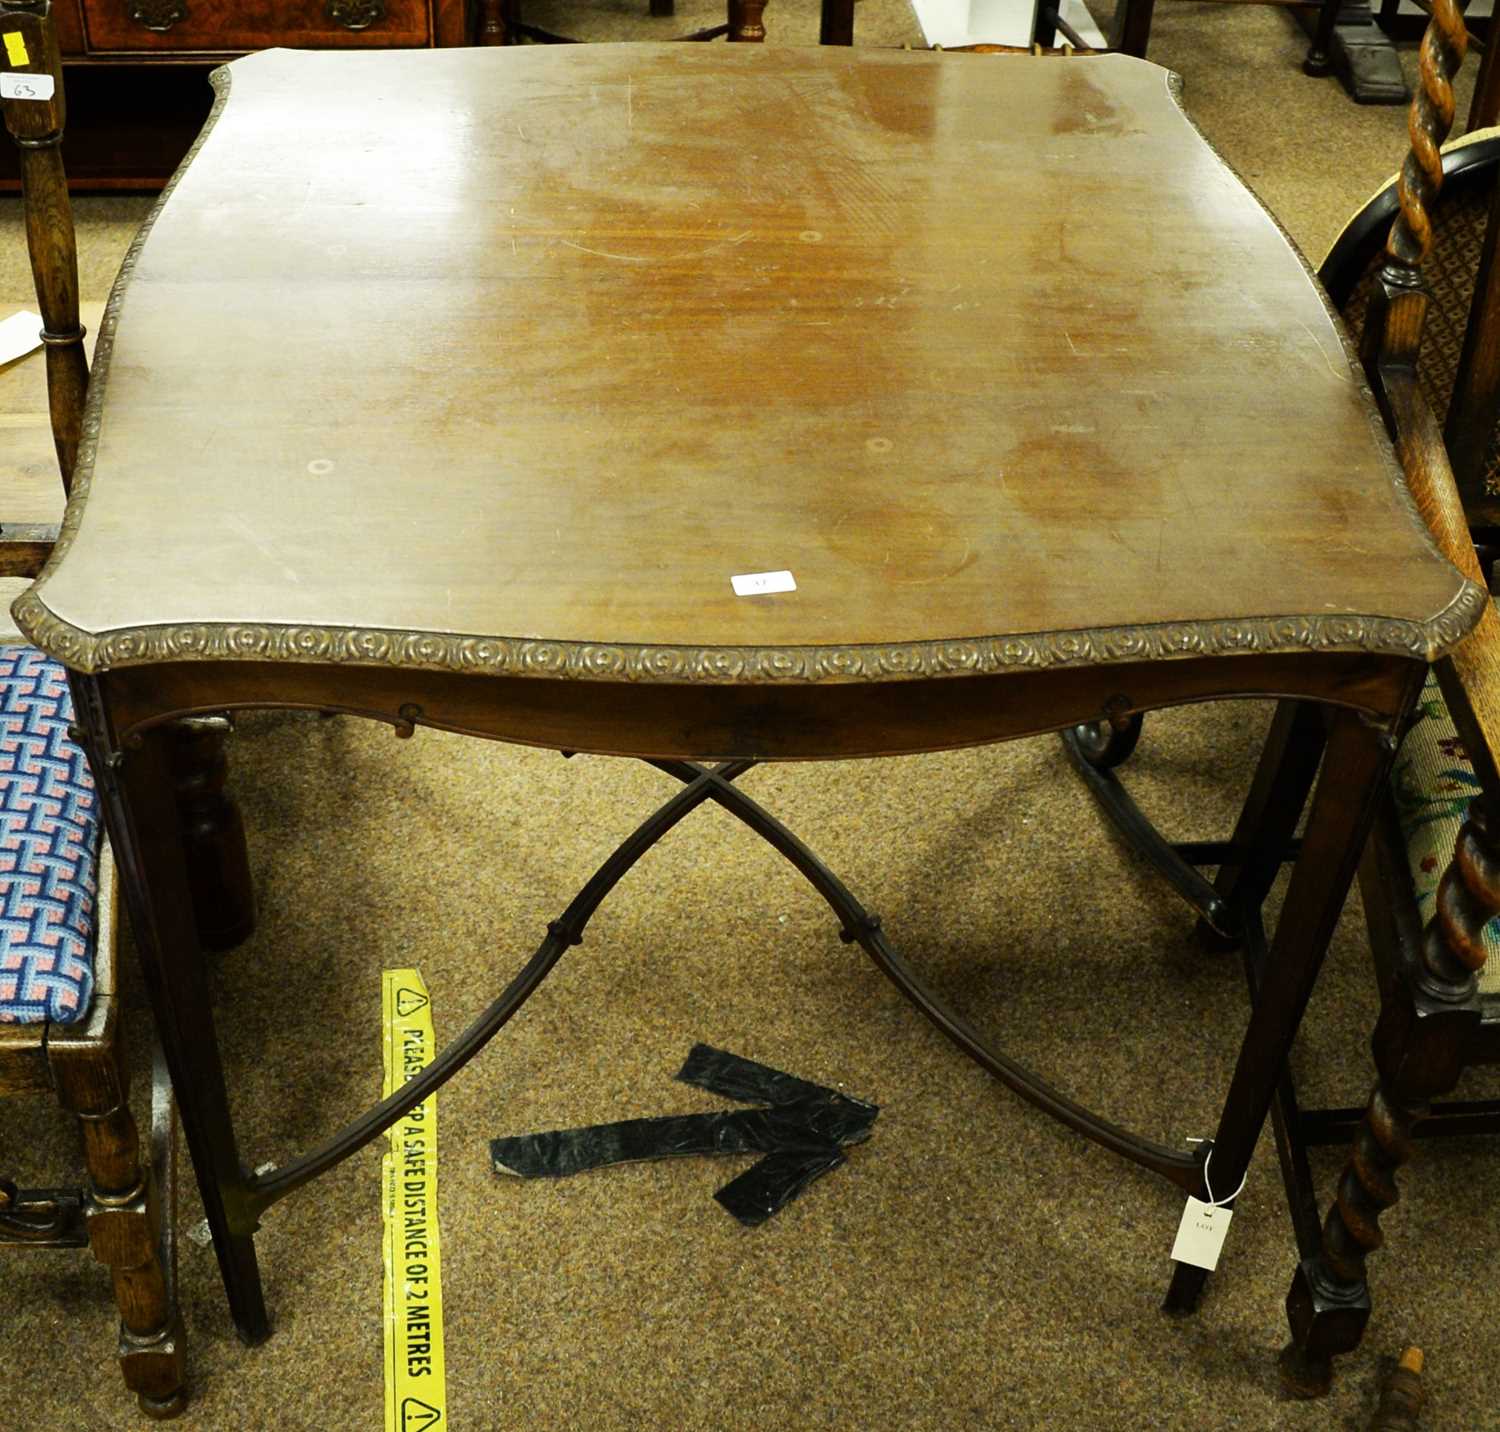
(1433, 782)
(49, 847)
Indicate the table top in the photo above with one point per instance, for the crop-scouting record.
(509, 360)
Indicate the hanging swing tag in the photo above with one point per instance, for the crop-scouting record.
(1200, 1235)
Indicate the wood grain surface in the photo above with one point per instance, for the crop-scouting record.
(548, 344)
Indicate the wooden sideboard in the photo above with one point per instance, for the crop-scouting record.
(110, 29)
(137, 69)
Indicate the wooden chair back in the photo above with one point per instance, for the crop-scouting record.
(34, 113)
(1460, 310)
(126, 1212)
(1390, 345)
(1432, 1017)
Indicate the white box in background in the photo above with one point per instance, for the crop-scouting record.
(951, 23)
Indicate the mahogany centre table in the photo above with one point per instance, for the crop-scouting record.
(454, 388)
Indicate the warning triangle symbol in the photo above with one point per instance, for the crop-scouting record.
(409, 1001)
(416, 1415)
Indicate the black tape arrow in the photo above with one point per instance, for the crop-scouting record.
(801, 1128)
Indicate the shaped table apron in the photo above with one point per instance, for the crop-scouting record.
(771, 721)
(1375, 691)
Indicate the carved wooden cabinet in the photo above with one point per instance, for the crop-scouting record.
(136, 69)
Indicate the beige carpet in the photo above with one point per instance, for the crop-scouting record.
(973, 1265)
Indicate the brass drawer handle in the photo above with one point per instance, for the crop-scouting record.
(356, 14)
(157, 15)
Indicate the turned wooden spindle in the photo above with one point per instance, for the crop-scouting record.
(1430, 119)
(1419, 1052)
(746, 23)
(1468, 897)
(1398, 308)
(1403, 1398)
(124, 1219)
(36, 125)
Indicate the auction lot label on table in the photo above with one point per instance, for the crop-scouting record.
(416, 1391)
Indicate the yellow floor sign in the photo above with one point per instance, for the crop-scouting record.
(416, 1389)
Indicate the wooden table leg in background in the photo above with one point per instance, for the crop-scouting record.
(491, 28)
(1134, 29)
(1278, 792)
(213, 833)
(836, 23)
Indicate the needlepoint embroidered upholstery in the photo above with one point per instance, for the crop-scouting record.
(49, 844)
(1433, 782)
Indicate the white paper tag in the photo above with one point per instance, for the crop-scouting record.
(20, 334)
(1200, 1235)
(760, 584)
(13, 86)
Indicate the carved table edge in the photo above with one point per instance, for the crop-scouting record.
(744, 665)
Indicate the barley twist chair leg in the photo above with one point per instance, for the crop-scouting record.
(1420, 1041)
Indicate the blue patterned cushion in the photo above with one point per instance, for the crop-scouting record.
(49, 842)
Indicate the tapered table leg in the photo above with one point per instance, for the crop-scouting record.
(143, 821)
(1355, 766)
